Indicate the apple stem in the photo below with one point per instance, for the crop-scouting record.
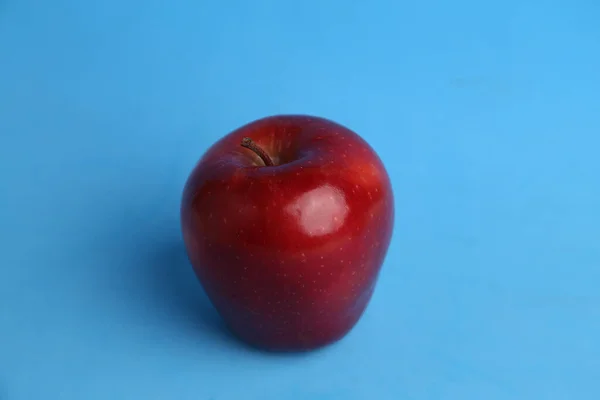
(249, 144)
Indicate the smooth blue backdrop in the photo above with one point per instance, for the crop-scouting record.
(487, 115)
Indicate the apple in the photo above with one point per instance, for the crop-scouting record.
(287, 221)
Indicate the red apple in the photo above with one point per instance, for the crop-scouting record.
(287, 221)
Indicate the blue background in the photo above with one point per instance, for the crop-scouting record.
(485, 113)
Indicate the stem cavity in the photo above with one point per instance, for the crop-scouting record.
(249, 144)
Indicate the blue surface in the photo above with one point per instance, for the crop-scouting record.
(486, 115)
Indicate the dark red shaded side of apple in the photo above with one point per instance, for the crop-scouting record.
(289, 254)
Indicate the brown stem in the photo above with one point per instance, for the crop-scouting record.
(249, 144)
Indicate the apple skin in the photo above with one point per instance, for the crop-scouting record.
(290, 254)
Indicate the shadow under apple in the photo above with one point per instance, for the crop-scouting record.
(176, 291)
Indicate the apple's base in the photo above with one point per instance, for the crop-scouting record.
(286, 348)
(296, 340)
